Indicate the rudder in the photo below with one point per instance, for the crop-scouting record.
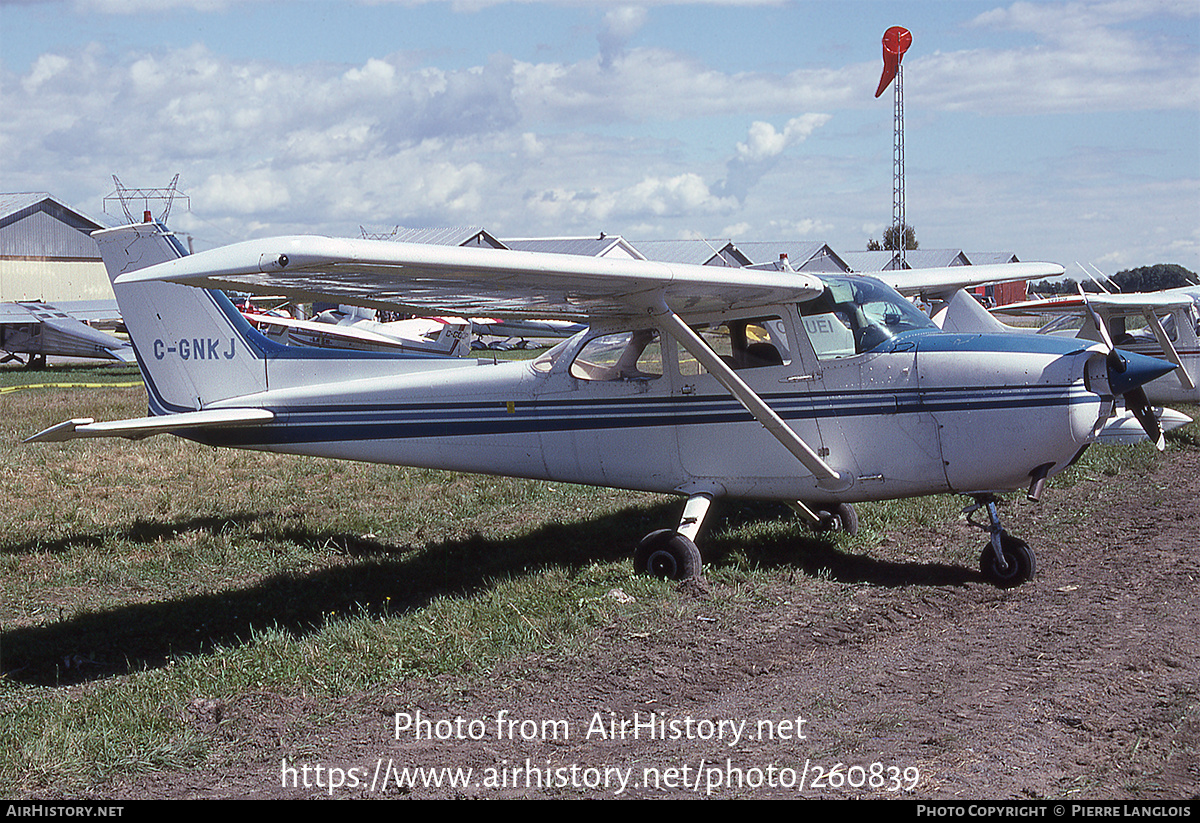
(193, 346)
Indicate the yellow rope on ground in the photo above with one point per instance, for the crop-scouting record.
(7, 389)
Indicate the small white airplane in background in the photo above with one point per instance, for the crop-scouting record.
(64, 329)
(357, 329)
(1171, 331)
(703, 382)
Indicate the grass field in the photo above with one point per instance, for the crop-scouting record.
(141, 578)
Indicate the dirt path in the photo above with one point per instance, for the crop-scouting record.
(1082, 684)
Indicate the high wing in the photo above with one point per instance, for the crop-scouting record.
(61, 329)
(425, 279)
(942, 283)
(1133, 303)
(105, 314)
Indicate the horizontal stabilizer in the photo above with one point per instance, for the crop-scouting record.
(140, 427)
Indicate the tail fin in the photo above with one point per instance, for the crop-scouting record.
(194, 348)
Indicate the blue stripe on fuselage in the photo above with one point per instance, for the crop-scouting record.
(333, 423)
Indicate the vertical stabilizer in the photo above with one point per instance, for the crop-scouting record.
(193, 346)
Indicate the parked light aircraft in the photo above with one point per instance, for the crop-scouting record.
(351, 327)
(61, 330)
(696, 381)
(1171, 331)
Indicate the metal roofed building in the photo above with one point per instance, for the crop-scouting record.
(935, 258)
(865, 262)
(999, 294)
(46, 251)
(696, 252)
(887, 260)
(802, 255)
(601, 246)
(447, 236)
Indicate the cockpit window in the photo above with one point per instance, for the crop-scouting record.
(856, 314)
(630, 355)
(742, 344)
(546, 360)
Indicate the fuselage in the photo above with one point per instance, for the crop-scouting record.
(918, 412)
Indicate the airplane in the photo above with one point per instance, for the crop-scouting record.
(63, 329)
(350, 327)
(818, 390)
(1102, 315)
(1171, 330)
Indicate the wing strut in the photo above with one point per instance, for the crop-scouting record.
(1168, 349)
(826, 476)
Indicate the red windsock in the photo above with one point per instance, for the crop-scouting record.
(896, 41)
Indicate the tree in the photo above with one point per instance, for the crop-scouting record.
(891, 240)
(1154, 278)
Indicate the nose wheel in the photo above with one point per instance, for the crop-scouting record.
(672, 553)
(1006, 561)
(668, 554)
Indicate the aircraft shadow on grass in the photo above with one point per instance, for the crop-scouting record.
(384, 580)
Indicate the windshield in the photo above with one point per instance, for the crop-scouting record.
(856, 314)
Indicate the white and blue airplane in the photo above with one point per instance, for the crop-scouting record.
(821, 391)
(1169, 329)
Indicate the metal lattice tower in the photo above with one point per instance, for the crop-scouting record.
(166, 195)
(898, 219)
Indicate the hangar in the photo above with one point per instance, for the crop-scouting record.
(46, 251)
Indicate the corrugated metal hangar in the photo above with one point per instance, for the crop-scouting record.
(46, 251)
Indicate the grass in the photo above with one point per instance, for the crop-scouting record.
(147, 580)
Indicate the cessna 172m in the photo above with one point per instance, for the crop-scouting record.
(696, 381)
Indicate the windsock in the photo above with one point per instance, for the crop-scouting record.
(896, 41)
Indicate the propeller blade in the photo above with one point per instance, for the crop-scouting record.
(1101, 326)
(1127, 373)
(1139, 406)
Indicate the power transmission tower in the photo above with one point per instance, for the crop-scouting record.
(166, 195)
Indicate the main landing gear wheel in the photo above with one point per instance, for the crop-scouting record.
(839, 518)
(1018, 566)
(667, 554)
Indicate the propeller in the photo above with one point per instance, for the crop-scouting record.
(1127, 382)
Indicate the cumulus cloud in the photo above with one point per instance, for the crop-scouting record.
(651, 196)
(1086, 57)
(763, 145)
(542, 143)
(620, 24)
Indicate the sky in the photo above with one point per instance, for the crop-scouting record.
(1059, 131)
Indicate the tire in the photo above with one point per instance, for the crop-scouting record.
(839, 518)
(667, 554)
(1018, 556)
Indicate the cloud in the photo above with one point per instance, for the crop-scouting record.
(1087, 57)
(631, 134)
(620, 24)
(764, 144)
